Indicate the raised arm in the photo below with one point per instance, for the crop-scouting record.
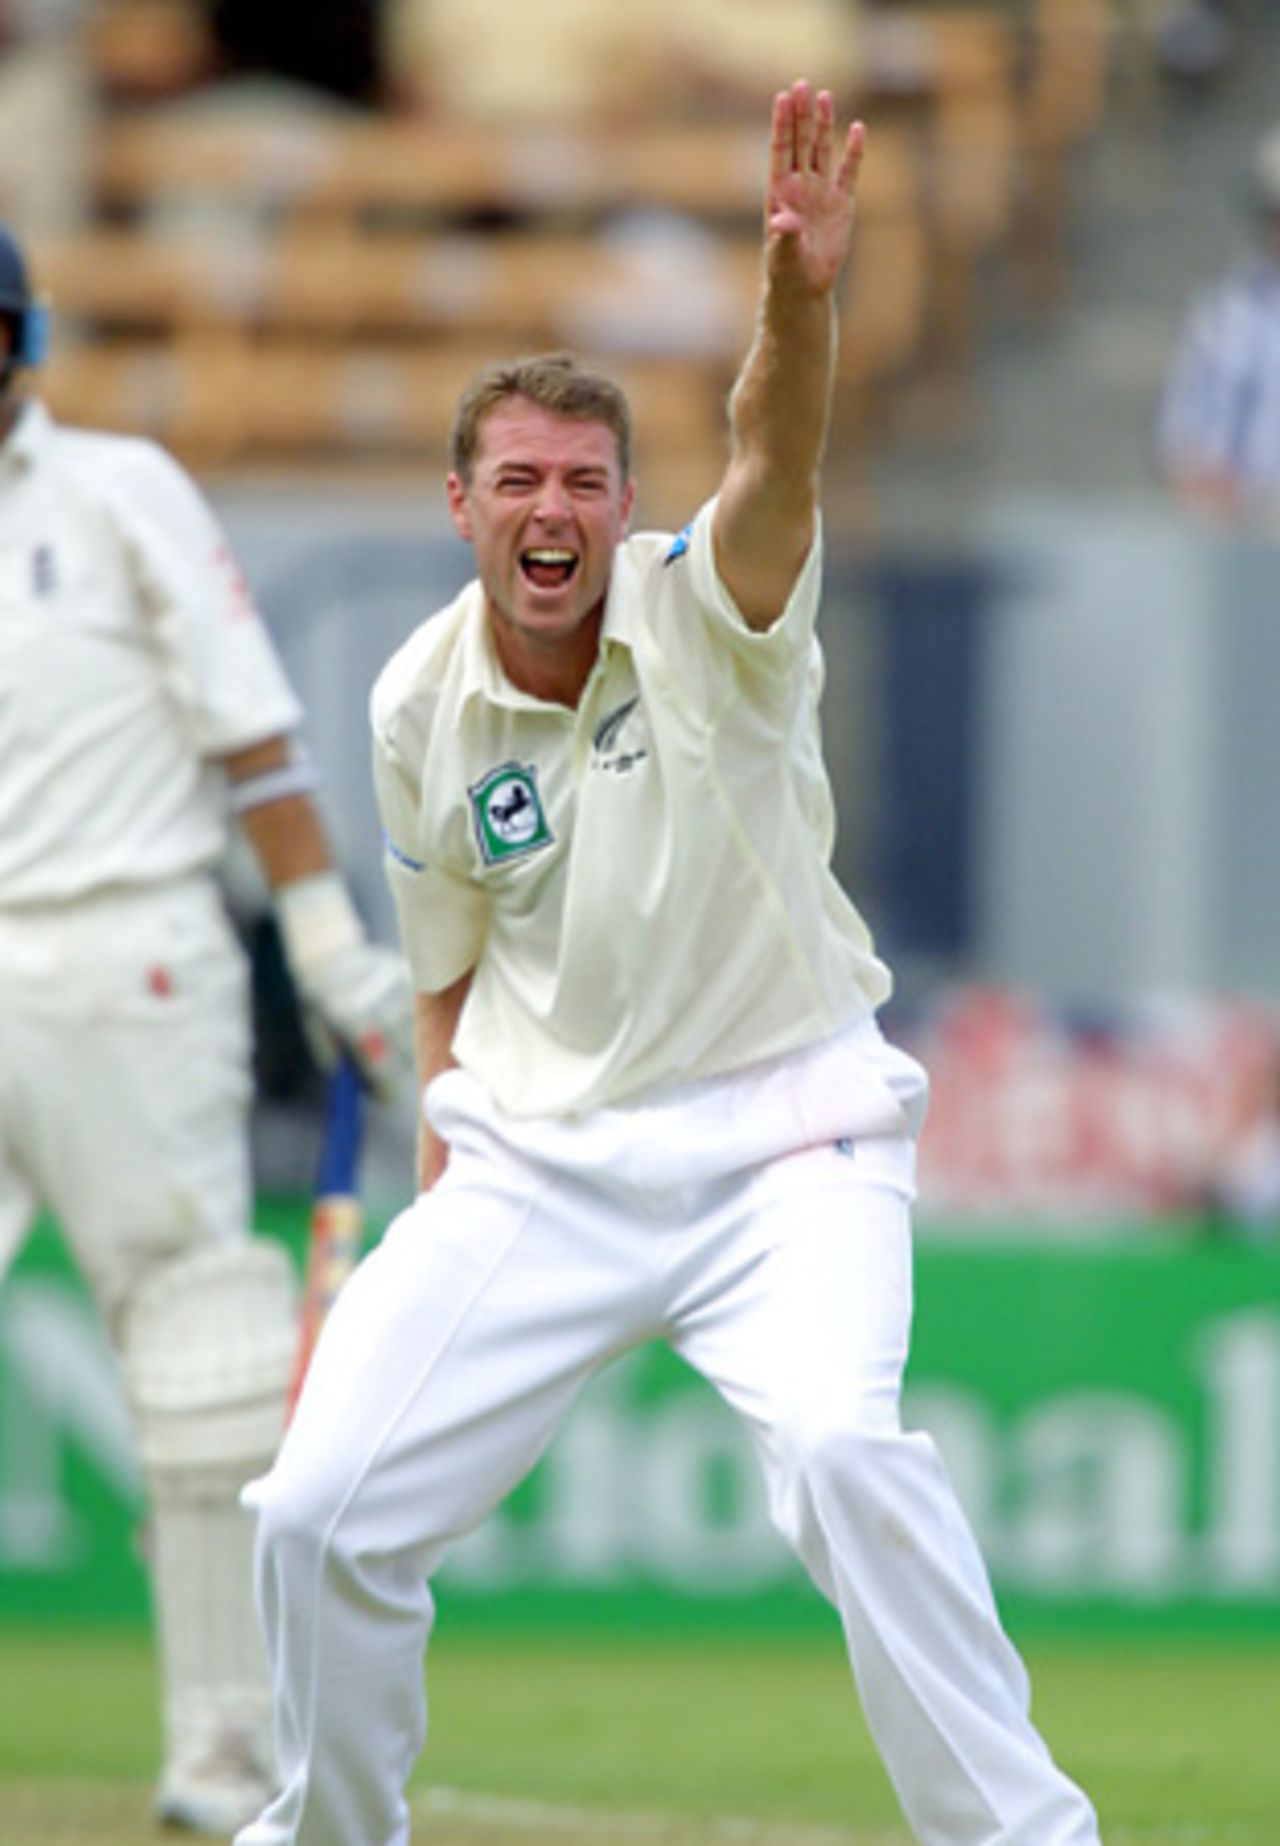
(781, 401)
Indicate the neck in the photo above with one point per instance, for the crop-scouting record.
(555, 671)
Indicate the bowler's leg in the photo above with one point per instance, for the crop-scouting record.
(439, 1378)
(809, 1342)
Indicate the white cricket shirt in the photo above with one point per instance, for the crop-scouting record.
(130, 656)
(641, 885)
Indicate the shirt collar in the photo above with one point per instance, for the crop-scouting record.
(619, 626)
(483, 674)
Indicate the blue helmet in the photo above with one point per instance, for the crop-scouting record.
(28, 317)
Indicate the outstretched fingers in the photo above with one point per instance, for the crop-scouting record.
(805, 126)
(799, 131)
(824, 132)
(813, 172)
(803, 138)
(851, 158)
(782, 139)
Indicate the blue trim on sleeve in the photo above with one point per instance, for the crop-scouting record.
(679, 544)
(401, 858)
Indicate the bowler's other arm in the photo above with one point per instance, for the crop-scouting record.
(436, 1017)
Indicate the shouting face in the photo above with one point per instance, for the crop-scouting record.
(544, 509)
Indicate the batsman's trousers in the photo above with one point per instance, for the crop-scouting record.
(760, 1225)
(125, 1080)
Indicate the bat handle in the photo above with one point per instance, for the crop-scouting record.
(334, 1243)
(340, 1150)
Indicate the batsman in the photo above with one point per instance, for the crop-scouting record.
(142, 706)
(657, 1101)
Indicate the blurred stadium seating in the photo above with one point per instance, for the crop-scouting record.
(308, 290)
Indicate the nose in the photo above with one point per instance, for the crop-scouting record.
(552, 503)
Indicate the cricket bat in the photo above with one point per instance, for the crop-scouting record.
(337, 1222)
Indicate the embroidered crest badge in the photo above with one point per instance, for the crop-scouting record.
(507, 810)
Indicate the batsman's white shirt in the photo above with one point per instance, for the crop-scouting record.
(130, 655)
(642, 885)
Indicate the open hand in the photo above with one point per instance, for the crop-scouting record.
(809, 198)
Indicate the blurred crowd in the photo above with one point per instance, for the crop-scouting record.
(567, 62)
(1218, 432)
(563, 61)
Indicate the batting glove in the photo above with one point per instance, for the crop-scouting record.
(355, 993)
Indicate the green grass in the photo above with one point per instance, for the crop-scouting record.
(1175, 1744)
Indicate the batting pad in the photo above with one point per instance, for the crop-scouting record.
(208, 1347)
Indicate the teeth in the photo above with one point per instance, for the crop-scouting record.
(549, 555)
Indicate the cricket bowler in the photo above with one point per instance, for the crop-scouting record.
(657, 1102)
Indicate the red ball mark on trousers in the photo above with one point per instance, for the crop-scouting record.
(374, 1046)
(159, 981)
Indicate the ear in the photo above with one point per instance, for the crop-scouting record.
(628, 502)
(459, 511)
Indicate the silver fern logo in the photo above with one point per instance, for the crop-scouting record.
(621, 739)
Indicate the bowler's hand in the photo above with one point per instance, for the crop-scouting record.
(812, 184)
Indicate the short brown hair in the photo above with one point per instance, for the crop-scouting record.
(554, 381)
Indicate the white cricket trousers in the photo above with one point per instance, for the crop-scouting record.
(738, 1221)
(125, 1080)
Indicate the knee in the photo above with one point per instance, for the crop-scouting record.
(297, 1523)
(316, 1552)
(847, 1452)
(833, 1475)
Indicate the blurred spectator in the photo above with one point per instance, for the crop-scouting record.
(285, 76)
(666, 292)
(334, 48)
(1243, 1201)
(731, 55)
(1194, 42)
(578, 65)
(510, 62)
(45, 112)
(576, 62)
(1218, 430)
(1240, 1196)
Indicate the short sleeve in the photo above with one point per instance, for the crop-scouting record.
(790, 636)
(219, 659)
(443, 915)
(704, 650)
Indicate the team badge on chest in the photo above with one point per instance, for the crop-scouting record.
(507, 810)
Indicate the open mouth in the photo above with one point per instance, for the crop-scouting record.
(549, 567)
